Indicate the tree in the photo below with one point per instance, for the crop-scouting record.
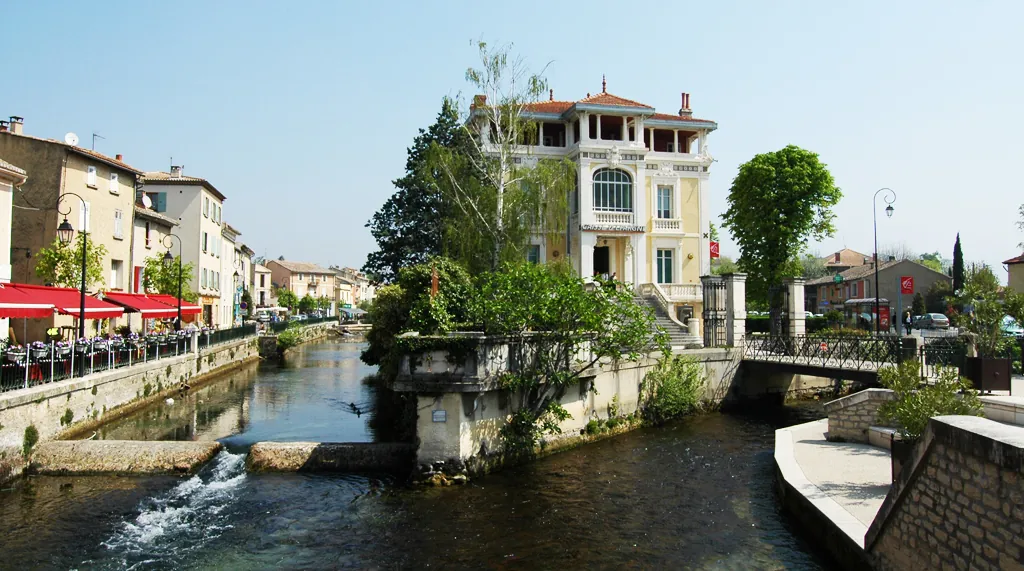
(936, 299)
(917, 306)
(158, 278)
(323, 302)
(981, 294)
(777, 202)
(724, 265)
(247, 300)
(287, 298)
(61, 265)
(958, 265)
(713, 232)
(933, 261)
(813, 267)
(501, 203)
(898, 251)
(409, 228)
(307, 304)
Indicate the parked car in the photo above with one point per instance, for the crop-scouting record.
(933, 321)
(1011, 327)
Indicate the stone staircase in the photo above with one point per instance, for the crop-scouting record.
(677, 336)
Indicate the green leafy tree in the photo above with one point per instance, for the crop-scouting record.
(938, 296)
(498, 203)
(158, 278)
(958, 265)
(812, 267)
(247, 300)
(307, 304)
(409, 228)
(932, 261)
(61, 265)
(915, 404)
(323, 302)
(918, 307)
(287, 298)
(988, 305)
(724, 265)
(713, 232)
(777, 202)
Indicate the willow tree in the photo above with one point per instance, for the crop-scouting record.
(777, 202)
(499, 194)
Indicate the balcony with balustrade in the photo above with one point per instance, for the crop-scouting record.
(666, 226)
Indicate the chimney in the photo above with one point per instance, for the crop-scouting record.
(838, 258)
(479, 101)
(892, 258)
(17, 125)
(551, 95)
(3, 126)
(684, 109)
(120, 158)
(175, 171)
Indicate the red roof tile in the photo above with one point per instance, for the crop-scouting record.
(609, 99)
(1017, 260)
(687, 119)
(557, 107)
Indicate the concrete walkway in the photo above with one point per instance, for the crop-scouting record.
(845, 481)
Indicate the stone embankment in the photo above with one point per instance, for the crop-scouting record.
(395, 458)
(81, 457)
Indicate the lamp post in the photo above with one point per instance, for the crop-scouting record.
(167, 261)
(889, 197)
(65, 233)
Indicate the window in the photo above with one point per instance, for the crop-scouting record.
(218, 210)
(149, 240)
(84, 212)
(263, 283)
(116, 270)
(90, 176)
(216, 281)
(664, 266)
(664, 202)
(206, 239)
(113, 184)
(119, 224)
(613, 190)
(206, 206)
(203, 281)
(533, 253)
(159, 201)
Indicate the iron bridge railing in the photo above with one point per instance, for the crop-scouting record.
(828, 351)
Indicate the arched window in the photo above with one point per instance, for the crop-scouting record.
(613, 190)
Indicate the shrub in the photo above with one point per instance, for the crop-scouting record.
(915, 404)
(30, 440)
(673, 388)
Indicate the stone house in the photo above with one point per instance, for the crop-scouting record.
(106, 210)
(304, 278)
(858, 283)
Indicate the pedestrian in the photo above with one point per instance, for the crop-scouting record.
(908, 322)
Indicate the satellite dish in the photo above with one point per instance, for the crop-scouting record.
(71, 139)
(147, 201)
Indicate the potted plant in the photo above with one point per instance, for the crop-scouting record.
(82, 345)
(116, 342)
(915, 403)
(39, 350)
(982, 318)
(15, 354)
(99, 344)
(62, 348)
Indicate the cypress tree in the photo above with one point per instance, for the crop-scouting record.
(958, 265)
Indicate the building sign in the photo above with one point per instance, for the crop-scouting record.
(838, 279)
(439, 415)
(907, 284)
(714, 249)
(614, 228)
(883, 318)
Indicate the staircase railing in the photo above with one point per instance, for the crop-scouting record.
(655, 291)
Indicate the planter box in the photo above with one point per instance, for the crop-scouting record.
(16, 357)
(40, 353)
(900, 455)
(988, 373)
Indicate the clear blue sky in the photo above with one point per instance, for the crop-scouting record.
(301, 112)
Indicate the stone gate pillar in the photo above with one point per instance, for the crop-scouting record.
(795, 310)
(735, 309)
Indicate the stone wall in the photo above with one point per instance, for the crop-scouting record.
(79, 405)
(959, 504)
(850, 417)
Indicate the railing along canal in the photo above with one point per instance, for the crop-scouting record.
(829, 351)
(42, 363)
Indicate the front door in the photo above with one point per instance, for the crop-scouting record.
(601, 261)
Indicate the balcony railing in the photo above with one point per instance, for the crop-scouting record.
(668, 225)
(682, 292)
(621, 218)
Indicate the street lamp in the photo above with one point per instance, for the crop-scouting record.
(889, 197)
(65, 233)
(167, 261)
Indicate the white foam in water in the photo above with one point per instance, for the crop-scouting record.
(183, 519)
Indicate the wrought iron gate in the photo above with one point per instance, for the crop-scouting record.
(778, 310)
(714, 311)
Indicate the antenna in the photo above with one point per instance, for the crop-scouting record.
(95, 136)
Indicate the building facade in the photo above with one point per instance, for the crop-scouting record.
(263, 286)
(640, 209)
(105, 210)
(859, 283)
(199, 208)
(1015, 273)
(11, 177)
(355, 286)
(304, 278)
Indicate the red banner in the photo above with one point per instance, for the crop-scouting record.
(907, 284)
(883, 317)
(714, 249)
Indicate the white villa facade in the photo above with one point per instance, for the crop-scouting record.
(640, 210)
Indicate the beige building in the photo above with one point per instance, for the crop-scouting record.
(149, 240)
(360, 287)
(1015, 268)
(105, 211)
(263, 286)
(303, 278)
(199, 208)
(11, 177)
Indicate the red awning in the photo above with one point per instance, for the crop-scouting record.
(141, 303)
(187, 308)
(68, 301)
(15, 302)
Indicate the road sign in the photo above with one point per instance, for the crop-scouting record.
(243, 305)
(715, 249)
(823, 347)
(907, 284)
(838, 279)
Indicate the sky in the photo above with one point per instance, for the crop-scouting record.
(301, 112)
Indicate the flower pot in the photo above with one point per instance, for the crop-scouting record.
(900, 455)
(16, 356)
(40, 352)
(64, 351)
(988, 373)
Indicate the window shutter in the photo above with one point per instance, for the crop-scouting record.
(113, 183)
(90, 176)
(161, 202)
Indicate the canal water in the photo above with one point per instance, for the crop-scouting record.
(693, 495)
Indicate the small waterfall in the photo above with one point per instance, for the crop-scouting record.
(184, 519)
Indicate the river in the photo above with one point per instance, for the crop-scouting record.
(693, 495)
